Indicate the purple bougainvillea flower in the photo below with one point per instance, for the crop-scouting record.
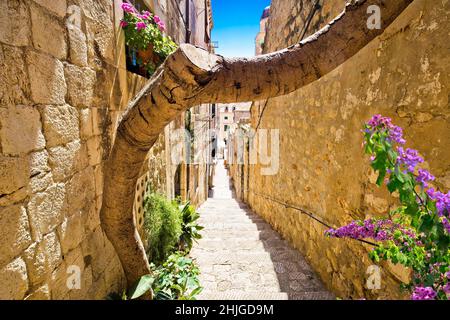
(156, 19)
(161, 26)
(424, 176)
(424, 293)
(409, 158)
(380, 122)
(123, 23)
(446, 289)
(140, 25)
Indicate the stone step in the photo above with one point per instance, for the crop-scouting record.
(239, 295)
(241, 219)
(242, 234)
(229, 256)
(236, 226)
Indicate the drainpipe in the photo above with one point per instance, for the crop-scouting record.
(187, 22)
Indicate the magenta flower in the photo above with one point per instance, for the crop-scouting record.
(380, 122)
(379, 230)
(140, 25)
(161, 26)
(123, 23)
(145, 15)
(446, 289)
(127, 7)
(424, 293)
(157, 19)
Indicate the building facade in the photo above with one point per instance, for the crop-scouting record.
(322, 169)
(65, 84)
(259, 40)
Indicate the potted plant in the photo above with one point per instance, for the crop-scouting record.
(144, 32)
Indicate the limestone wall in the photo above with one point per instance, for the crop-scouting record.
(404, 74)
(63, 86)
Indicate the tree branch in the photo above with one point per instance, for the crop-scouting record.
(192, 76)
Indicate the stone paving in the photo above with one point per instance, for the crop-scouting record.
(241, 257)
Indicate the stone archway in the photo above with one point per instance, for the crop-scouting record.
(192, 76)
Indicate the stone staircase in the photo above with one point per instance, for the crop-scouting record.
(242, 258)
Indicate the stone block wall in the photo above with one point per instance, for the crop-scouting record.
(403, 74)
(63, 87)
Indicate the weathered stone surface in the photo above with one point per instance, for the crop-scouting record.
(46, 209)
(15, 235)
(12, 122)
(13, 278)
(81, 188)
(14, 23)
(95, 243)
(57, 7)
(65, 160)
(86, 130)
(40, 177)
(14, 82)
(48, 33)
(100, 31)
(39, 162)
(379, 205)
(71, 232)
(115, 279)
(40, 182)
(77, 45)
(43, 257)
(58, 283)
(80, 82)
(95, 150)
(93, 215)
(48, 85)
(395, 75)
(98, 289)
(41, 293)
(13, 174)
(61, 124)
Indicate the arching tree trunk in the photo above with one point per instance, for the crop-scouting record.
(191, 76)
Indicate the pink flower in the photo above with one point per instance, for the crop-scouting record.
(140, 25)
(161, 26)
(123, 23)
(127, 7)
(145, 15)
(156, 19)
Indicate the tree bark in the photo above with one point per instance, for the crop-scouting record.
(192, 76)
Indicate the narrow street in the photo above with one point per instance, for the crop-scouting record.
(242, 257)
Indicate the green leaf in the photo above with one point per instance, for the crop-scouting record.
(141, 286)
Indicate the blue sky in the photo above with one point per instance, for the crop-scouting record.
(236, 23)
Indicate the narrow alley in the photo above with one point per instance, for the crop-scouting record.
(242, 257)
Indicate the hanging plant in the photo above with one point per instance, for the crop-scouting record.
(144, 32)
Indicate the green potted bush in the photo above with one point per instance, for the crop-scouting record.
(144, 32)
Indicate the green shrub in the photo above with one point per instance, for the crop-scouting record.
(162, 224)
(190, 227)
(176, 278)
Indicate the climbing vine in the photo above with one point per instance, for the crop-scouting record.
(417, 233)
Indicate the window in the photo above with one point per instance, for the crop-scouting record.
(225, 118)
(225, 128)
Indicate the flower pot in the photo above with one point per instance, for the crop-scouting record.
(147, 54)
